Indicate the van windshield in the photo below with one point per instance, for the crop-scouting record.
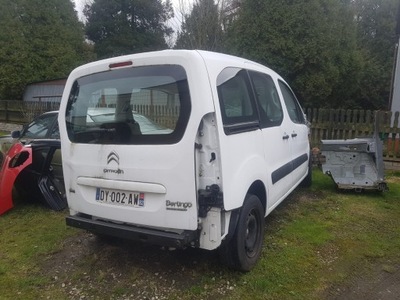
(139, 105)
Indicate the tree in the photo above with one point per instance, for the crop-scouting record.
(202, 28)
(119, 27)
(310, 42)
(376, 37)
(44, 40)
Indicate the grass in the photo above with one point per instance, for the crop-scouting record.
(318, 239)
(28, 233)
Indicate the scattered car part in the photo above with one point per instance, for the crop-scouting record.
(32, 169)
(355, 163)
(14, 161)
(30, 161)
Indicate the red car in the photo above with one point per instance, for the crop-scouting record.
(30, 162)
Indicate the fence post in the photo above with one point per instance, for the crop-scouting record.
(330, 120)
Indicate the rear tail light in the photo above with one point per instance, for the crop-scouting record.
(120, 64)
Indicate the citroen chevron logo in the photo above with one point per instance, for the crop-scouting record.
(113, 156)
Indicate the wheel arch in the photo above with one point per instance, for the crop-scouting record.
(258, 188)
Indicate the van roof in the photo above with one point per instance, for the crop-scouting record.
(214, 61)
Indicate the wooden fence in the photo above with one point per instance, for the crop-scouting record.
(21, 112)
(159, 114)
(328, 124)
(325, 123)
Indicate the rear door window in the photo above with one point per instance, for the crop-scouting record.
(238, 109)
(141, 105)
(293, 107)
(271, 113)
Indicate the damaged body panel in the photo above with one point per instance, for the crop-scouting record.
(35, 171)
(30, 162)
(14, 161)
(356, 163)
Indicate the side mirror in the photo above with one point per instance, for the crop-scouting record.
(15, 134)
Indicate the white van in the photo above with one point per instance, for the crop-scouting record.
(181, 148)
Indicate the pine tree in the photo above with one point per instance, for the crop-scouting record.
(39, 40)
(118, 27)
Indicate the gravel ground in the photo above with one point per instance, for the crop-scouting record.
(89, 267)
(6, 127)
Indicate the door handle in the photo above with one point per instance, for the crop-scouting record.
(294, 134)
(285, 137)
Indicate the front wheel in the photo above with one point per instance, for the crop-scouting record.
(244, 249)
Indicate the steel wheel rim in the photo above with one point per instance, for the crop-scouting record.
(252, 234)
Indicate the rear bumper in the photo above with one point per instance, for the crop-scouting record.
(148, 235)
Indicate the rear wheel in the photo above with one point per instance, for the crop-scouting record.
(243, 250)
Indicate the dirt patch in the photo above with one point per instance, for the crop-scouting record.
(7, 127)
(382, 282)
(90, 267)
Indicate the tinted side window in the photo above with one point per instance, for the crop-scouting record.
(293, 107)
(237, 105)
(39, 127)
(268, 100)
(55, 133)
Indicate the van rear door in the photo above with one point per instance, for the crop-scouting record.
(126, 158)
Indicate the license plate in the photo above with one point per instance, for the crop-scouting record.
(132, 199)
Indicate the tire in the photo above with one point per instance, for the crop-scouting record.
(243, 250)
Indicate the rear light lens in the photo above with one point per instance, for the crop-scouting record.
(120, 64)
